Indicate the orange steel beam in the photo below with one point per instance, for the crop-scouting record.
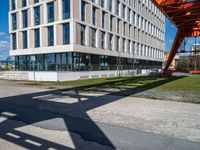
(177, 43)
(185, 15)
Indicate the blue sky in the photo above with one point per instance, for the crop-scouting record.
(4, 36)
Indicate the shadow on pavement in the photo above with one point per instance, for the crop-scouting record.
(33, 108)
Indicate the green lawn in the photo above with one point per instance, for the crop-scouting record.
(191, 83)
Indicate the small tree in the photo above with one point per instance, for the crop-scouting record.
(7, 62)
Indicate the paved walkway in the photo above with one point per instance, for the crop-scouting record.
(34, 118)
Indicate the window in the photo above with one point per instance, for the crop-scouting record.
(102, 40)
(110, 5)
(102, 3)
(93, 16)
(103, 19)
(82, 35)
(14, 41)
(111, 42)
(50, 9)
(103, 62)
(24, 3)
(82, 11)
(37, 37)
(25, 40)
(66, 9)
(93, 38)
(66, 33)
(111, 24)
(14, 21)
(25, 18)
(50, 60)
(117, 7)
(36, 1)
(13, 5)
(50, 36)
(37, 15)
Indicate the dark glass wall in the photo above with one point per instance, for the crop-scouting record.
(72, 61)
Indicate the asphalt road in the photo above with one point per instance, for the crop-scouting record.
(17, 104)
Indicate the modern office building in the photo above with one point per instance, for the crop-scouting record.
(86, 36)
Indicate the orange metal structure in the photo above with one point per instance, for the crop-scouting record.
(185, 15)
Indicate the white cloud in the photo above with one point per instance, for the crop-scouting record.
(4, 45)
(170, 41)
(2, 34)
(172, 26)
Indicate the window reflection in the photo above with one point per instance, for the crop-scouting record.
(80, 62)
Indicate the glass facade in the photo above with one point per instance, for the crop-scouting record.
(66, 33)
(50, 8)
(37, 15)
(24, 3)
(14, 41)
(82, 10)
(36, 1)
(66, 9)
(14, 21)
(25, 40)
(73, 61)
(25, 18)
(37, 37)
(13, 7)
(82, 35)
(98, 28)
(50, 36)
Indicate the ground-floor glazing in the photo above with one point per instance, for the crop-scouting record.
(73, 61)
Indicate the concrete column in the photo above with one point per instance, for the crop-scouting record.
(107, 40)
(98, 2)
(31, 38)
(56, 11)
(75, 9)
(31, 13)
(10, 22)
(98, 17)
(114, 22)
(107, 21)
(90, 37)
(41, 14)
(59, 37)
(45, 14)
(120, 44)
(78, 33)
(88, 13)
(126, 13)
(11, 42)
(10, 5)
(42, 36)
(60, 8)
(107, 2)
(55, 34)
(73, 33)
(120, 9)
(18, 4)
(19, 40)
(131, 47)
(28, 39)
(114, 6)
(87, 38)
(98, 39)
(126, 46)
(28, 2)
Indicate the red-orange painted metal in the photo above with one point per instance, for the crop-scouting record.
(185, 15)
